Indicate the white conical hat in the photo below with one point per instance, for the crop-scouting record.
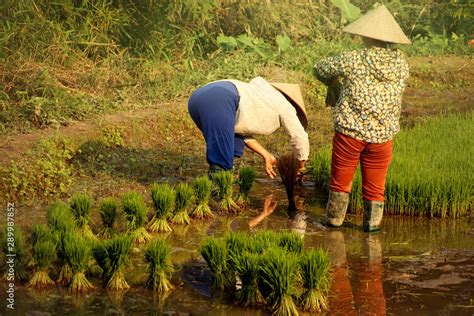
(293, 92)
(378, 24)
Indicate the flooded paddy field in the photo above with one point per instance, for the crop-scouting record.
(414, 266)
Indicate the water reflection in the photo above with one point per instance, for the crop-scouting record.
(364, 296)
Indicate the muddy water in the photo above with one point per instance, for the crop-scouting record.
(413, 267)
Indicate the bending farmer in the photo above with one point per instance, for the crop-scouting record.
(366, 114)
(230, 112)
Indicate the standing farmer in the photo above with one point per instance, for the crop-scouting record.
(366, 113)
(230, 112)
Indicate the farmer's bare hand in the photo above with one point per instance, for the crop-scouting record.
(302, 176)
(270, 161)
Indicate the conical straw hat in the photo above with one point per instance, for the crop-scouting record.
(293, 92)
(378, 24)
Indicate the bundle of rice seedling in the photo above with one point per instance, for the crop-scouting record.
(315, 276)
(184, 198)
(246, 179)
(263, 240)
(223, 182)
(163, 197)
(237, 242)
(108, 213)
(214, 251)
(288, 166)
(278, 278)
(202, 190)
(291, 242)
(60, 221)
(247, 268)
(112, 256)
(81, 208)
(135, 212)
(60, 218)
(44, 253)
(13, 244)
(77, 251)
(159, 266)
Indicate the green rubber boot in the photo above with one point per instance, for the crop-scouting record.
(336, 208)
(373, 212)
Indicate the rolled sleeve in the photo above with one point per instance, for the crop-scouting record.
(298, 136)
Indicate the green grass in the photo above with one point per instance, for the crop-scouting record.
(429, 174)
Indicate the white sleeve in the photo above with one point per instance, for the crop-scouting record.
(298, 136)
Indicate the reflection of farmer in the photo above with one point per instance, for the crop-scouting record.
(366, 114)
(229, 112)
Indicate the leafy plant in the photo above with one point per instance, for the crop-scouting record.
(159, 266)
(163, 197)
(135, 212)
(202, 191)
(348, 11)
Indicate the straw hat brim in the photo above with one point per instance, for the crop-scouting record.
(292, 92)
(378, 24)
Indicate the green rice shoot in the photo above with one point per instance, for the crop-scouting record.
(202, 190)
(44, 253)
(13, 236)
(247, 268)
(81, 205)
(246, 180)
(315, 266)
(135, 211)
(112, 256)
(291, 242)
(108, 211)
(163, 197)
(157, 255)
(428, 175)
(278, 284)
(184, 199)
(223, 182)
(77, 251)
(215, 252)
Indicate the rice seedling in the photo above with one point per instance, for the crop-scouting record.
(291, 242)
(419, 182)
(288, 166)
(246, 179)
(215, 252)
(278, 280)
(184, 198)
(163, 197)
(159, 266)
(135, 212)
(263, 240)
(60, 218)
(60, 221)
(237, 242)
(77, 251)
(202, 190)
(108, 213)
(13, 243)
(44, 253)
(247, 268)
(112, 256)
(223, 182)
(81, 208)
(315, 278)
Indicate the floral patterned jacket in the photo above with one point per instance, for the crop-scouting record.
(369, 106)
